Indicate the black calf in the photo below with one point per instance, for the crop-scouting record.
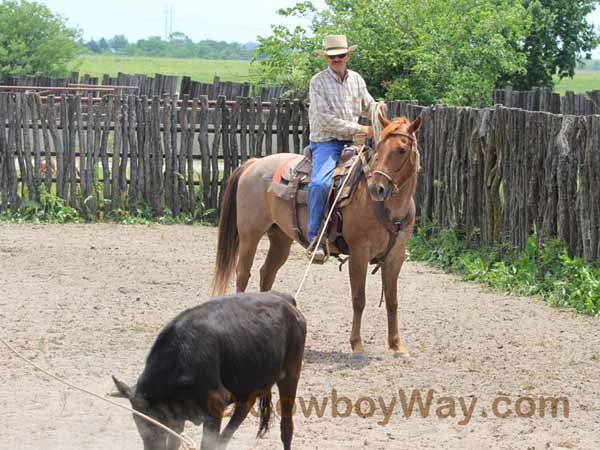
(231, 349)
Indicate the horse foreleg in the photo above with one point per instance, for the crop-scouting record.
(389, 278)
(358, 275)
(279, 250)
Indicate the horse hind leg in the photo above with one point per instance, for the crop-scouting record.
(247, 251)
(279, 250)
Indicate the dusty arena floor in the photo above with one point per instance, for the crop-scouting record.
(87, 301)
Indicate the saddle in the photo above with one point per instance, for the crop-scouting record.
(290, 183)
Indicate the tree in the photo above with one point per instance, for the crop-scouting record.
(152, 46)
(103, 46)
(560, 36)
(35, 41)
(178, 36)
(451, 51)
(92, 46)
(118, 43)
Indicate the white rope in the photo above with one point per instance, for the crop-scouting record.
(186, 441)
(325, 224)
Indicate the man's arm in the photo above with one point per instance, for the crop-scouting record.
(368, 103)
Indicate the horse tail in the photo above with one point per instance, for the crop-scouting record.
(265, 406)
(229, 239)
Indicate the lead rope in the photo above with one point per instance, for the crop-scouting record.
(186, 441)
(324, 228)
(376, 136)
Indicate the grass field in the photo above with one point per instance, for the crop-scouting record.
(205, 70)
(584, 81)
(199, 69)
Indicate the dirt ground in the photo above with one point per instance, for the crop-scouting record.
(87, 301)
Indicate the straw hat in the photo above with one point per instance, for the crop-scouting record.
(335, 45)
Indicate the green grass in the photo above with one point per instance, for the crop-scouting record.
(203, 70)
(583, 81)
(548, 272)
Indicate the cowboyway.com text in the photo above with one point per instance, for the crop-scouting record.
(424, 403)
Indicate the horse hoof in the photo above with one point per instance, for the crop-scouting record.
(404, 354)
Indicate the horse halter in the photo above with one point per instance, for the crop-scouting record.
(369, 172)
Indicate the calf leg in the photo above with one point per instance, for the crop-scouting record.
(240, 413)
(210, 433)
(279, 250)
(287, 388)
(287, 398)
(217, 401)
(173, 443)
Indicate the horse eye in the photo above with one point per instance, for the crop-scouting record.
(402, 151)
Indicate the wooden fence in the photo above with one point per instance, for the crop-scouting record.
(545, 100)
(229, 89)
(499, 174)
(167, 152)
(150, 86)
(496, 174)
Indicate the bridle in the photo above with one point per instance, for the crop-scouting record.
(370, 172)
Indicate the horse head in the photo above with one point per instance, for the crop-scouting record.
(396, 160)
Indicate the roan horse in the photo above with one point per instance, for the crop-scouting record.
(389, 182)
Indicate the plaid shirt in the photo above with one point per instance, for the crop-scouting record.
(336, 105)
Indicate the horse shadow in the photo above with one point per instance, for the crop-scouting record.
(337, 359)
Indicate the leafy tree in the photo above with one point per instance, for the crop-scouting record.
(559, 37)
(179, 45)
(103, 46)
(178, 36)
(152, 46)
(118, 43)
(92, 46)
(34, 41)
(451, 51)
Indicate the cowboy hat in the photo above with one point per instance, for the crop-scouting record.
(335, 45)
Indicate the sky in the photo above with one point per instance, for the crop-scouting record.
(225, 20)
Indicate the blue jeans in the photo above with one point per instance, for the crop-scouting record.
(325, 156)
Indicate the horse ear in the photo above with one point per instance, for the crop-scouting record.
(124, 391)
(383, 120)
(414, 126)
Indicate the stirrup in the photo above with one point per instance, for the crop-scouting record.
(311, 249)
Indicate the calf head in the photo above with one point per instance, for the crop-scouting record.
(154, 438)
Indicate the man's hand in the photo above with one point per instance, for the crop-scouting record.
(368, 131)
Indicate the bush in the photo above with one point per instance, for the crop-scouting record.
(548, 271)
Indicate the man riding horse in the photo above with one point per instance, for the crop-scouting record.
(376, 221)
(338, 97)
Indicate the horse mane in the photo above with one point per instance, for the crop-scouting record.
(394, 124)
